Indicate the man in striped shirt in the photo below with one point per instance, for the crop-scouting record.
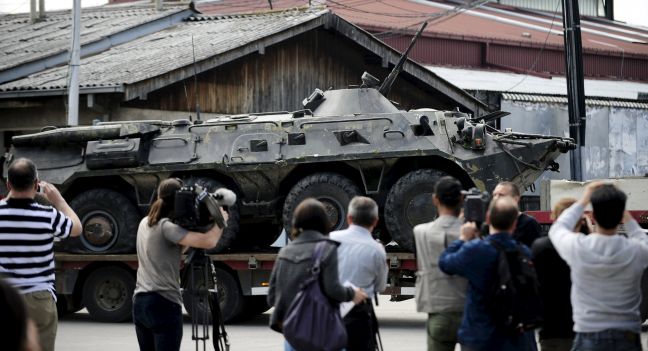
(27, 232)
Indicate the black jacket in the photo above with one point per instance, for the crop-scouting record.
(292, 268)
(527, 230)
(555, 286)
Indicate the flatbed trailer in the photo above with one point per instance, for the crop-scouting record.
(104, 284)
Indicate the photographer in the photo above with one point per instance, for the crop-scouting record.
(606, 270)
(27, 233)
(527, 229)
(477, 261)
(157, 306)
(439, 295)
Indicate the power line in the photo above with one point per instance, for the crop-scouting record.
(435, 18)
(526, 75)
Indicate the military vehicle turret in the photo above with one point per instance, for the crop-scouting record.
(343, 143)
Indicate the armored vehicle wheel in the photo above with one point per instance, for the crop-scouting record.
(109, 222)
(230, 297)
(333, 190)
(231, 231)
(108, 294)
(409, 203)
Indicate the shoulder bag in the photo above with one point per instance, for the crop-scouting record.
(312, 321)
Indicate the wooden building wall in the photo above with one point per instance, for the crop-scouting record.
(281, 77)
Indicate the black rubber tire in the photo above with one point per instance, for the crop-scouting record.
(409, 203)
(120, 218)
(108, 294)
(231, 231)
(332, 189)
(231, 299)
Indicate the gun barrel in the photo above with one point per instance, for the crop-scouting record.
(391, 78)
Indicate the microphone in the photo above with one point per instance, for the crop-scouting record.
(224, 197)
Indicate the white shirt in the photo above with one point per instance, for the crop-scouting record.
(361, 260)
(606, 273)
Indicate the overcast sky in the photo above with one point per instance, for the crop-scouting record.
(631, 11)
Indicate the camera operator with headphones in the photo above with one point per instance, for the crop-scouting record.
(157, 305)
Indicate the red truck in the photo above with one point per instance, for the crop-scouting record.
(104, 284)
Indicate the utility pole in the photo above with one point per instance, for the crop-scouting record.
(33, 16)
(75, 59)
(41, 9)
(575, 85)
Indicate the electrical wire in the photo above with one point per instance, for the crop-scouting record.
(532, 67)
(10, 12)
(434, 19)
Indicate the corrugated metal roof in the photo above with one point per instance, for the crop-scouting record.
(157, 60)
(563, 100)
(489, 21)
(166, 50)
(519, 83)
(22, 42)
(505, 37)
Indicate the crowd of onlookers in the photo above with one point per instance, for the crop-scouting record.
(476, 281)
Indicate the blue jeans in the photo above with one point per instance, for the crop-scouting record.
(617, 340)
(158, 322)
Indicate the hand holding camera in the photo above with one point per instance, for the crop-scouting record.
(468, 231)
(50, 193)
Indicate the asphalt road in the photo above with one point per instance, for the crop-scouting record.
(402, 329)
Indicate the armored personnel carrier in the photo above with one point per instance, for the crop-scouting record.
(344, 142)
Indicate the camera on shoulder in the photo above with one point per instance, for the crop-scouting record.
(196, 209)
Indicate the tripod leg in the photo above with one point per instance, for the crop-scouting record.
(220, 335)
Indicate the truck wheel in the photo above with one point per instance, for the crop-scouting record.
(230, 297)
(231, 231)
(333, 190)
(108, 294)
(109, 222)
(409, 203)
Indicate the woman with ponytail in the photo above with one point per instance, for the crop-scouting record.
(157, 302)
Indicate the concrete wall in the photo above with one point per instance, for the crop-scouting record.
(616, 139)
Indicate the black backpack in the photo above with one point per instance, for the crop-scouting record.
(514, 302)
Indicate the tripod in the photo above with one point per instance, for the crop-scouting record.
(199, 268)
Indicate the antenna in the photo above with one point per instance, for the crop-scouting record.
(193, 50)
(391, 78)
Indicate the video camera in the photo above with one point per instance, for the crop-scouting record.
(195, 208)
(475, 205)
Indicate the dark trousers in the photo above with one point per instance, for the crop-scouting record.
(158, 322)
(360, 328)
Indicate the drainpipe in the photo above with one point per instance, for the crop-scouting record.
(75, 59)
